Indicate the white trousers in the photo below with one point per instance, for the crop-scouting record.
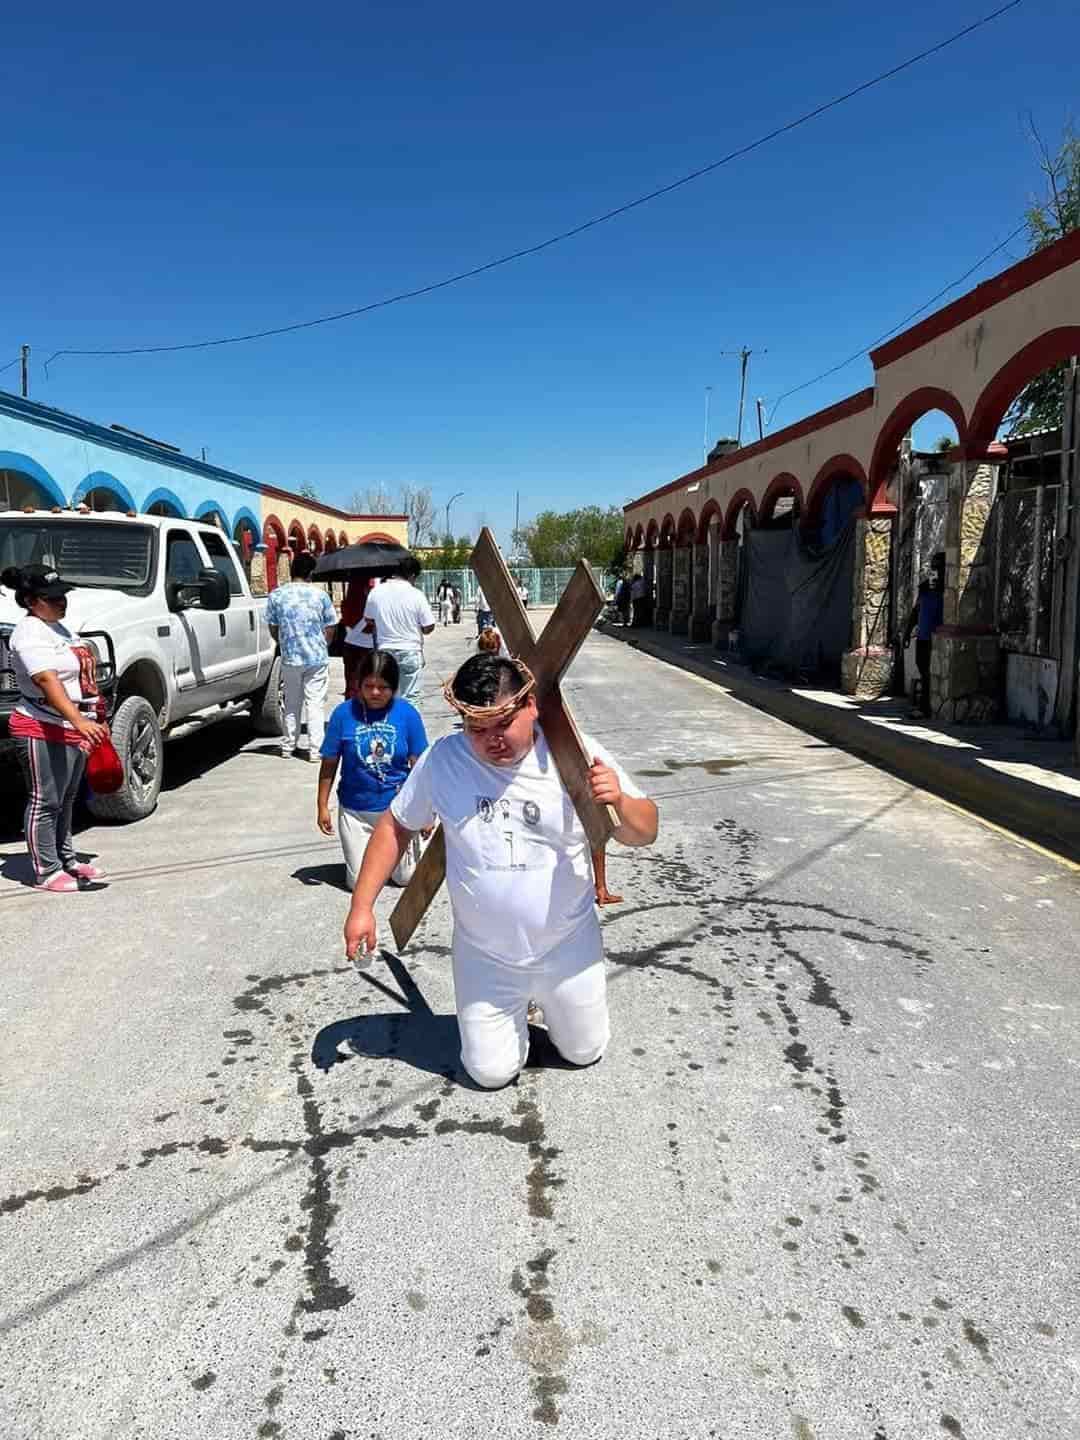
(305, 689)
(354, 828)
(493, 1000)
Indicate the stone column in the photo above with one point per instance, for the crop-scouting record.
(727, 592)
(679, 619)
(866, 669)
(664, 578)
(648, 569)
(701, 609)
(284, 567)
(965, 660)
(258, 570)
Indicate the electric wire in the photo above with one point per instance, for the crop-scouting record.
(563, 235)
(902, 324)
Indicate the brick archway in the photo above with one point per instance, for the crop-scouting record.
(837, 467)
(741, 500)
(783, 485)
(710, 512)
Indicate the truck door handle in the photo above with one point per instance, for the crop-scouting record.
(251, 619)
(221, 623)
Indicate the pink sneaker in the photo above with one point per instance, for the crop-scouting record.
(60, 883)
(86, 872)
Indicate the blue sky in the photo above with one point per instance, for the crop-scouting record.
(205, 170)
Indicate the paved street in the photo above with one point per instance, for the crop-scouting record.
(822, 1186)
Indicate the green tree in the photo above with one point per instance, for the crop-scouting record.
(1041, 403)
(553, 539)
(452, 554)
(307, 491)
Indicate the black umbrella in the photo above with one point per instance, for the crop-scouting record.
(353, 562)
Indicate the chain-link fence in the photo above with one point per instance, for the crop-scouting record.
(542, 587)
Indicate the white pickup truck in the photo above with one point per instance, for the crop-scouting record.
(179, 636)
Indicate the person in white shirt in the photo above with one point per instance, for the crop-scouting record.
(484, 616)
(519, 871)
(55, 724)
(402, 617)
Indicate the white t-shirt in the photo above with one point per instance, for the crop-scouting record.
(518, 861)
(400, 612)
(37, 646)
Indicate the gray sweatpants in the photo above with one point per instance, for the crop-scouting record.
(53, 773)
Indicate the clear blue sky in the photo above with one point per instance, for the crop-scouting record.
(179, 173)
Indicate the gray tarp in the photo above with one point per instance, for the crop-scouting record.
(796, 601)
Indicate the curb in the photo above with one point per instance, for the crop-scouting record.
(1051, 820)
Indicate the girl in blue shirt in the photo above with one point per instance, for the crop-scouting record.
(377, 739)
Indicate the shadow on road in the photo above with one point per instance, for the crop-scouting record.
(416, 1036)
(333, 875)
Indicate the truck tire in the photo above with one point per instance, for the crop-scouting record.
(266, 703)
(137, 737)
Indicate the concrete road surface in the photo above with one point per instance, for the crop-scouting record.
(822, 1186)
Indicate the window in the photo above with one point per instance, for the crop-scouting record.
(222, 561)
(91, 553)
(182, 559)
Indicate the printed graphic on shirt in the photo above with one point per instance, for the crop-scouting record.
(375, 745)
(505, 842)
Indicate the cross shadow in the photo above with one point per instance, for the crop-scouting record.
(414, 1035)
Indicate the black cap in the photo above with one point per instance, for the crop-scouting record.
(41, 582)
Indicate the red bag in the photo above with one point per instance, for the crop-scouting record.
(104, 772)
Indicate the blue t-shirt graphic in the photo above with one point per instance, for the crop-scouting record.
(374, 748)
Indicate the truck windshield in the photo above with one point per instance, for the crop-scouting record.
(98, 554)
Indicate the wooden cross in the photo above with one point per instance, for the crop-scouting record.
(548, 659)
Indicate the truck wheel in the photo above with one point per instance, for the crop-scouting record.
(266, 703)
(137, 737)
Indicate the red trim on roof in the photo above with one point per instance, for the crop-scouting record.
(317, 505)
(1062, 253)
(831, 415)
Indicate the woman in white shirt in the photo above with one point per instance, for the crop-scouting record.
(53, 725)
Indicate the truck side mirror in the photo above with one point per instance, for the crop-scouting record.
(210, 591)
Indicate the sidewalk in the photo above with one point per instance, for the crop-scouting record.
(1000, 772)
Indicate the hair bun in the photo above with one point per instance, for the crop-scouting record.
(12, 577)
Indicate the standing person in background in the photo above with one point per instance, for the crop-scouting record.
(926, 615)
(637, 600)
(54, 724)
(402, 617)
(445, 597)
(358, 640)
(457, 605)
(302, 620)
(622, 599)
(484, 617)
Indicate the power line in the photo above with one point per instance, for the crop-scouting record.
(10, 364)
(576, 230)
(900, 325)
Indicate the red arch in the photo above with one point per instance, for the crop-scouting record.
(377, 535)
(735, 504)
(273, 529)
(314, 540)
(784, 484)
(274, 540)
(667, 530)
(1035, 357)
(652, 535)
(711, 509)
(687, 528)
(833, 468)
(929, 397)
(639, 539)
(628, 539)
(297, 539)
(330, 544)
(343, 540)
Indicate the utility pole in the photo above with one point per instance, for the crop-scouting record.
(760, 403)
(744, 368)
(25, 368)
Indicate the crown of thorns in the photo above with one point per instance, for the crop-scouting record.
(499, 709)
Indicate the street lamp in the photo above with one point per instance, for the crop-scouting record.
(449, 502)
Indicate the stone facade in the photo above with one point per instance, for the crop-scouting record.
(965, 679)
(866, 669)
(679, 617)
(727, 591)
(664, 564)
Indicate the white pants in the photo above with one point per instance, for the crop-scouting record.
(354, 828)
(493, 1000)
(305, 689)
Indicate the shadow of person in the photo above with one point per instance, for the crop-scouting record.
(415, 1035)
(322, 875)
(18, 869)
